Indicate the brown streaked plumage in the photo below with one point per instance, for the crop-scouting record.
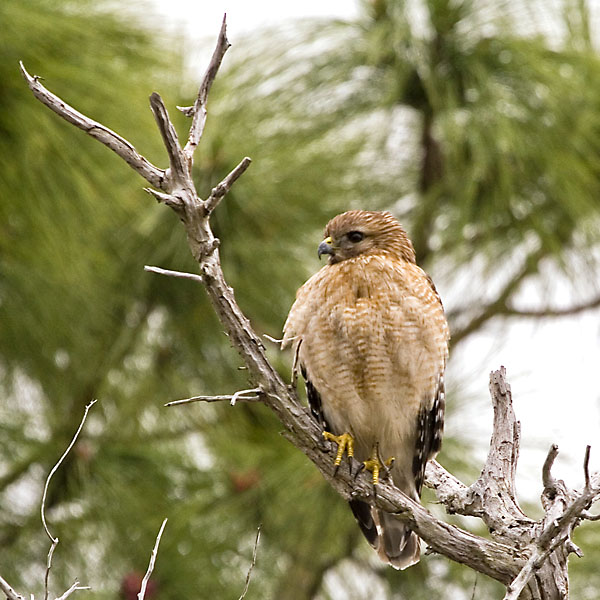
(372, 343)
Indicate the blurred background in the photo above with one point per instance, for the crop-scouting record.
(476, 123)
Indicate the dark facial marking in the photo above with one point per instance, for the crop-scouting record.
(355, 236)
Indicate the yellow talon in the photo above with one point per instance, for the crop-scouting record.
(345, 443)
(375, 465)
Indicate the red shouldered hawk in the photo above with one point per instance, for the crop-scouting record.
(371, 340)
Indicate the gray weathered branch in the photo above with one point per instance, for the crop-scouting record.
(528, 556)
(180, 167)
(179, 274)
(109, 138)
(53, 539)
(198, 110)
(152, 562)
(74, 588)
(252, 563)
(252, 395)
(10, 593)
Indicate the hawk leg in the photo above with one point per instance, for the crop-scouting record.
(345, 443)
(377, 466)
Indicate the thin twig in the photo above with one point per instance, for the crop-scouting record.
(48, 567)
(75, 587)
(251, 564)
(586, 467)
(43, 506)
(142, 591)
(241, 394)
(179, 274)
(251, 395)
(222, 188)
(474, 585)
(198, 110)
(222, 398)
(57, 465)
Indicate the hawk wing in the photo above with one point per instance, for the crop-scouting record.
(430, 427)
(314, 400)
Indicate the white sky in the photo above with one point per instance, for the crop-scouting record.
(200, 18)
(552, 367)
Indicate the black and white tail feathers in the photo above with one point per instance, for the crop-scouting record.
(392, 539)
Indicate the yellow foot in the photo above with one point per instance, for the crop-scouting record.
(345, 443)
(375, 465)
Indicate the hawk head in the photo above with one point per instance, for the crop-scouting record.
(358, 232)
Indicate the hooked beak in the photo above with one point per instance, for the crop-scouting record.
(325, 247)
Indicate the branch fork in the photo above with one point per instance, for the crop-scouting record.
(528, 557)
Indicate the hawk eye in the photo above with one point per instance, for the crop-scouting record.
(355, 236)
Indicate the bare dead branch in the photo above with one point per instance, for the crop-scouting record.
(241, 396)
(254, 551)
(198, 110)
(49, 566)
(106, 136)
(8, 591)
(492, 497)
(74, 588)
(178, 274)
(222, 188)
(574, 549)
(450, 491)
(589, 517)
(43, 505)
(178, 164)
(513, 591)
(547, 478)
(171, 201)
(505, 443)
(57, 465)
(555, 535)
(586, 467)
(571, 514)
(564, 511)
(153, 556)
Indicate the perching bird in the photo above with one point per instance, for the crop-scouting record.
(371, 341)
